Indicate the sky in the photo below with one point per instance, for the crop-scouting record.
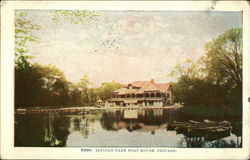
(126, 46)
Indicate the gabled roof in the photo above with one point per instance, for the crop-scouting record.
(148, 86)
(145, 86)
(164, 87)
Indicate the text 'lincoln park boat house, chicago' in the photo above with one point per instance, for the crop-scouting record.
(143, 93)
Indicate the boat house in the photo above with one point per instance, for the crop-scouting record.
(143, 93)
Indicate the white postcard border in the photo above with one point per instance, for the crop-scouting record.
(7, 81)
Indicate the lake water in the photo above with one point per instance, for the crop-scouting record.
(111, 128)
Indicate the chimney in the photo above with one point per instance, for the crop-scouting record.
(152, 81)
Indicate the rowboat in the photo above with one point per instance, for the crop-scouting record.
(217, 133)
(210, 130)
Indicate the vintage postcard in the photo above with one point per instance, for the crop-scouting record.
(123, 80)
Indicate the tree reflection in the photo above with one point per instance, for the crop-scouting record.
(194, 142)
(76, 124)
(30, 134)
(81, 124)
(50, 129)
(45, 130)
(199, 142)
(85, 129)
(61, 129)
(221, 143)
(237, 130)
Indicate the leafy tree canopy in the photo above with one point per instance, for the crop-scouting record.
(216, 78)
(223, 59)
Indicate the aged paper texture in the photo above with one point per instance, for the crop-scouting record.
(125, 80)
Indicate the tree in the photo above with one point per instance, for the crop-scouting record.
(187, 89)
(74, 16)
(223, 61)
(83, 85)
(217, 76)
(28, 87)
(24, 33)
(37, 85)
(223, 58)
(106, 89)
(188, 71)
(55, 84)
(41, 85)
(93, 96)
(27, 79)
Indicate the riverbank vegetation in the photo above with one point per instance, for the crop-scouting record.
(213, 82)
(39, 85)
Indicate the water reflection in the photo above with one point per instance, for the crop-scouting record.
(143, 120)
(41, 130)
(116, 127)
(199, 142)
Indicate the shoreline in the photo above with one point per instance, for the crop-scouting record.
(80, 109)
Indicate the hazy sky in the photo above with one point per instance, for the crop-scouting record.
(127, 46)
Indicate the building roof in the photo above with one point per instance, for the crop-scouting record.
(144, 86)
(125, 91)
(164, 87)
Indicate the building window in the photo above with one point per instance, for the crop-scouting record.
(128, 95)
(133, 95)
(158, 94)
(146, 95)
(152, 95)
(139, 95)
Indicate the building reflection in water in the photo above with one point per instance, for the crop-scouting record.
(61, 129)
(135, 120)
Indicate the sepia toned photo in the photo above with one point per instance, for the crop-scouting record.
(128, 79)
(136, 80)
